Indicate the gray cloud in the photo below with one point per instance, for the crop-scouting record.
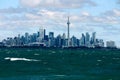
(12, 10)
(18, 10)
(48, 17)
(114, 12)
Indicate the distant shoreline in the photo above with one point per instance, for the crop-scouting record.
(58, 47)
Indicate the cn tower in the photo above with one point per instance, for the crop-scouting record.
(68, 24)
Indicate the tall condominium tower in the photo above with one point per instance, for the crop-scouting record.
(68, 24)
(94, 38)
(41, 34)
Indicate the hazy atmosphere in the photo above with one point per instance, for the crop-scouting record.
(100, 16)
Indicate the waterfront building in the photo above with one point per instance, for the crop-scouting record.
(93, 38)
(58, 41)
(46, 38)
(18, 40)
(22, 40)
(44, 33)
(51, 39)
(82, 40)
(74, 41)
(41, 35)
(26, 38)
(63, 41)
(51, 35)
(99, 43)
(110, 44)
(4, 42)
(87, 40)
(1, 44)
(34, 37)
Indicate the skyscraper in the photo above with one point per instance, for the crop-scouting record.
(41, 35)
(64, 40)
(51, 39)
(18, 40)
(44, 33)
(74, 41)
(51, 35)
(82, 41)
(68, 24)
(87, 40)
(94, 38)
(27, 38)
(58, 41)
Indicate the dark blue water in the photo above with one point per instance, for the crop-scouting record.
(59, 64)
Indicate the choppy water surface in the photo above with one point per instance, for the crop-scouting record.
(59, 64)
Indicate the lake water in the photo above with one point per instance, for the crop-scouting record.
(59, 64)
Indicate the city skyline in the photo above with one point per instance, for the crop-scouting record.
(41, 39)
(20, 16)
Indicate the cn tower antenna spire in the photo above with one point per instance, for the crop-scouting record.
(68, 24)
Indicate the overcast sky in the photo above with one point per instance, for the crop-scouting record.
(100, 16)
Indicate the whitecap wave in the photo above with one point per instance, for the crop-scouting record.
(60, 75)
(36, 54)
(99, 60)
(19, 59)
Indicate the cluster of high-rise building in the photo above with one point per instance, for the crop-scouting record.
(41, 39)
